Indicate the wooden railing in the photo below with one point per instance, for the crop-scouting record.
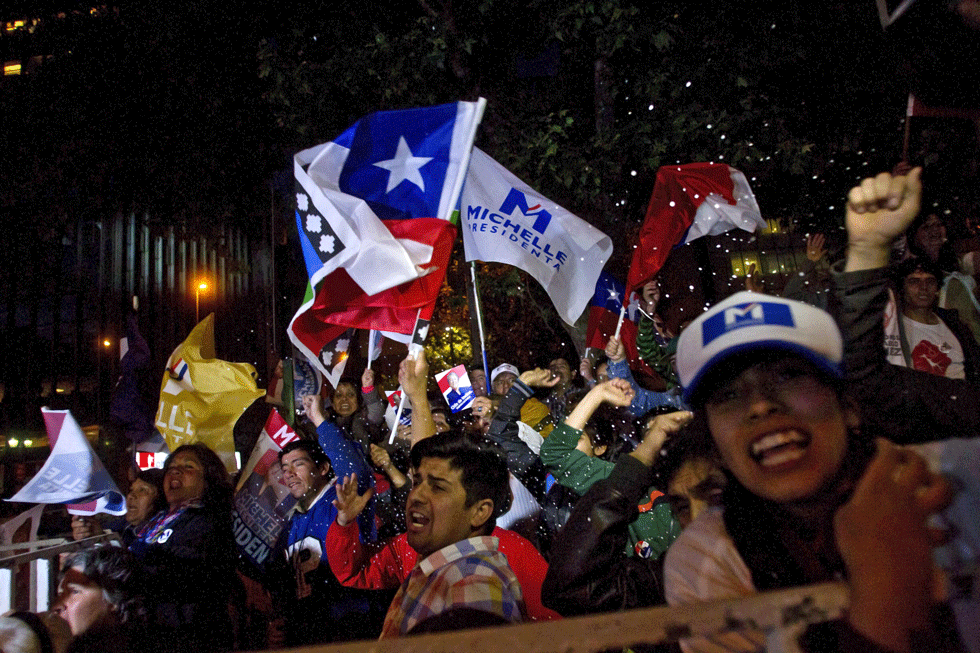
(782, 615)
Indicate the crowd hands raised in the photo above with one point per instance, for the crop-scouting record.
(783, 453)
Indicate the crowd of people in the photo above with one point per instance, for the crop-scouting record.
(827, 434)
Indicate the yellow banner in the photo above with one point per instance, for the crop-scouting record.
(202, 397)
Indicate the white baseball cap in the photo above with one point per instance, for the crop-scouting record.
(500, 369)
(749, 321)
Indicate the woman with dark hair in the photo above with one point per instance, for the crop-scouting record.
(359, 412)
(812, 495)
(188, 551)
(144, 500)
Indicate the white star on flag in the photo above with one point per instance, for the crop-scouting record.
(613, 294)
(633, 307)
(404, 167)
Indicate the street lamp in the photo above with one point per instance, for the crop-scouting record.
(201, 285)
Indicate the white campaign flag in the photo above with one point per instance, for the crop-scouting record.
(505, 221)
(73, 473)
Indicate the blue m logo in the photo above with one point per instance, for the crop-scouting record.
(516, 199)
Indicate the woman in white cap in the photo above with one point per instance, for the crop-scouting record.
(811, 496)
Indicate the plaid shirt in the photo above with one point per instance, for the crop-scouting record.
(468, 574)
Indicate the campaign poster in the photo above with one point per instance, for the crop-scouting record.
(261, 500)
(307, 380)
(392, 408)
(456, 387)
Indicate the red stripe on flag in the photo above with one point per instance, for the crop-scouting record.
(341, 302)
(53, 421)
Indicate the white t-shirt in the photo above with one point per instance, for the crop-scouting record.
(933, 348)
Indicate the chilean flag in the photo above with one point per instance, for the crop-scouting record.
(376, 213)
(604, 310)
(690, 201)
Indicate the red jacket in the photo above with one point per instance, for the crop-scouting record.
(386, 565)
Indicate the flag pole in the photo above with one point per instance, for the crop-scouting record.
(908, 121)
(479, 324)
(619, 324)
(414, 350)
(370, 352)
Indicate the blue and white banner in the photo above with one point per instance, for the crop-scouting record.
(506, 221)
(72, 474)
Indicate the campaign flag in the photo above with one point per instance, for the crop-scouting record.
(391, 410)
(506, 221)
(201, 397)
(376, 213)
(604, 311)
(262, 501)
(73, 473)
(456, 387)
(132, 406)
(690, 201)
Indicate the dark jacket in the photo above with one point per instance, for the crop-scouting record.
(588, 570)
(522, 462)
(189, 577)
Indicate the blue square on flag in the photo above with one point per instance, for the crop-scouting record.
(398, 160)
(609, 293)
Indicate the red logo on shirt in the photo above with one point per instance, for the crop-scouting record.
(926, 357)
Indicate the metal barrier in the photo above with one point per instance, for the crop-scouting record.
(782, 615)
(42, 556)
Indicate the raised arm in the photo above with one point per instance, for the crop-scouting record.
(413, 375)
(910, 406)
(374, 403)
(346, 457)
(571, 467)
(879, 210)
(589, 570)
(617, 392)
(521, 460)
(643, 400)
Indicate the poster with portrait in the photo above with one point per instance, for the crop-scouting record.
(456, 387)
(262, 501)
(392, 409)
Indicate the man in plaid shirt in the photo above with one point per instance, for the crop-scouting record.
(461, 580)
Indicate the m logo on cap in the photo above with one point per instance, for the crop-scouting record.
(745, 315)
(737, 315)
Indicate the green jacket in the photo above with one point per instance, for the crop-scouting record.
(655, 528)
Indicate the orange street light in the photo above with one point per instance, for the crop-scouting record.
(201, 285)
